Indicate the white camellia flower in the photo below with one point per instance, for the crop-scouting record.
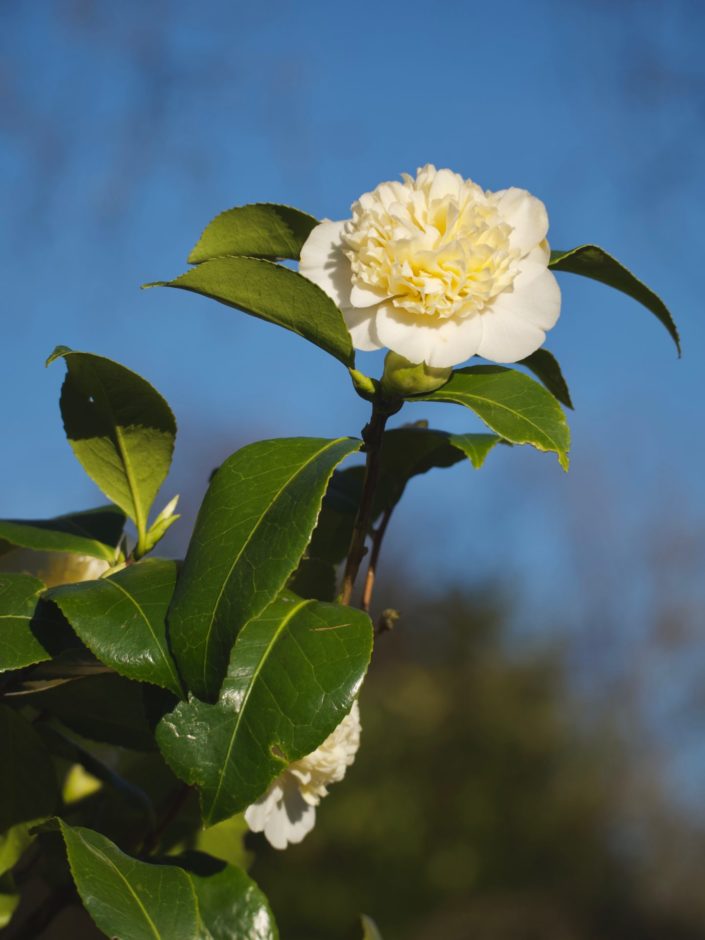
(439, 270)
(287, 811)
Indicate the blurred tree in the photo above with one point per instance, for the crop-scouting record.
(482, 804)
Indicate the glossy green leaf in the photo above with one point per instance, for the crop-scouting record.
(122, 620)
(19, 644)
(593, 262)
(514, 406)
(547, 370)
(95, 532)
(293, 675)
(230, 903)
(127, 898)
(106, 708)
(370, 930)
(251, 531)
(331, 537)
(28, 787)
(259, 230)
(274, 293)
(120, 429)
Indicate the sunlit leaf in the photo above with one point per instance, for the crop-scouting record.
(120, 429)
(274, 293)
(95, 532)
(251, 531)
(259, 230)
(293, 676)
(511, 404)
(122, 620)
(593, 262)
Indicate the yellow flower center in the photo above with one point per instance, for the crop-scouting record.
(435, 245)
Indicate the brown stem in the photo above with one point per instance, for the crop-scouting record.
(377, 539)
(372, 436)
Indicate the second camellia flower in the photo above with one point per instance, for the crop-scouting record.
(439, 270)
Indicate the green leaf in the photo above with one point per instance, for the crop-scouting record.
(545, 367)
(105, 708)
(14, 843)
(408, 452)
(230, 903)
(122, 620)
(139, 900)
(28, 787)
(95, 532)
(120, 429)
(251, 531)
(128, 898)
(293, 676)
(511, 404)
(593, 262)
(19, 644)
(274, 293)
(370, 930)
(259, 230)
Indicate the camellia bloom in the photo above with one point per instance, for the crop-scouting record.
(287, 811)
(439, 270)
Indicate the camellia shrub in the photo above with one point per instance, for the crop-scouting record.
(153, 710)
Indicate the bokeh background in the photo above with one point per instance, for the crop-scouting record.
(534, 749)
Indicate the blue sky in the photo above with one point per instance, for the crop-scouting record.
(126, 127)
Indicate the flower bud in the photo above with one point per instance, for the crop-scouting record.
(402, 378)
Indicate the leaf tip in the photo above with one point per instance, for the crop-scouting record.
(58, 353)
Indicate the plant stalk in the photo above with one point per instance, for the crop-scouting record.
(372, 436)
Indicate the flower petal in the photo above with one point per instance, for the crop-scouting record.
(365, 296)
(535, 297)
(291, 819)
(323, 262)
(526, 214)
(360, 322)
(438, 343)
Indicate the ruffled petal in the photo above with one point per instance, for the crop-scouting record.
(439, 343)
(365, 296)
(291, 818)
(526, 214)
(258, 813)
(323, 261)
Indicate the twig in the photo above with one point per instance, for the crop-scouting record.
(372, 436)
(377, 539)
